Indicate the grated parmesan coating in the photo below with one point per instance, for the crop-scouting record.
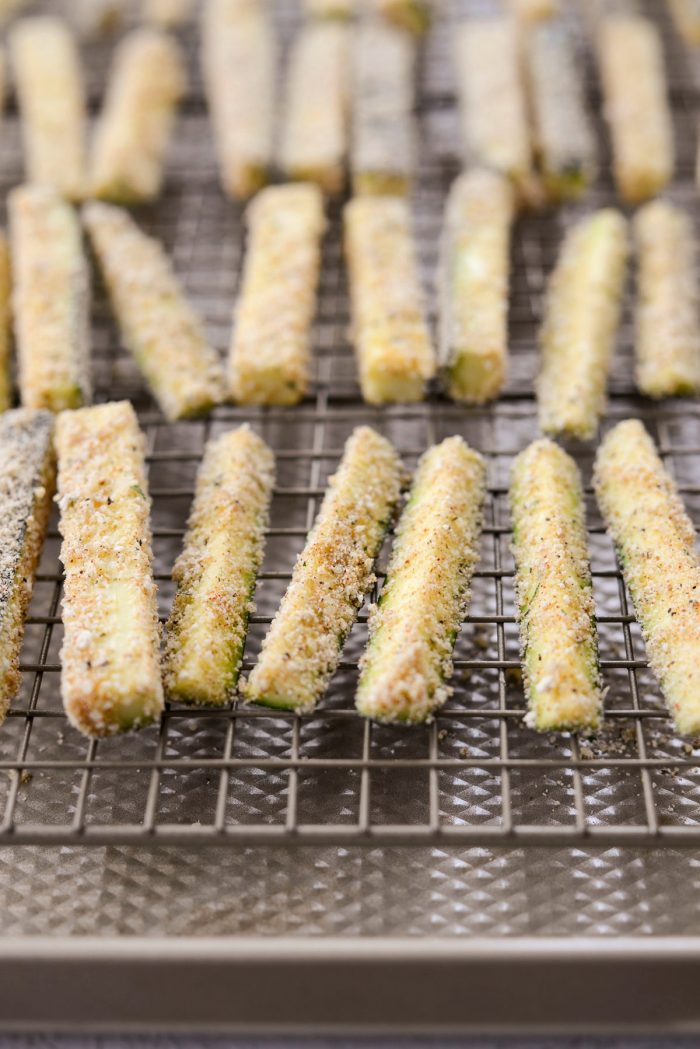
(110, 679)
(27, 478)
(217, 569)
(315, 131)
(157, 323)
(239, 67)
(492, 99)
(413, 628)
(667, 341)
(5, 324)
(146, 82)
(270, 354)
(330, 579)
(413, 15)
(383, 146)
(655, 543)
(50, 299)
(564, 137)
(395, 355)
(686, 18)
(555, 607)
(636, 105)
(473, 285)
(330, 8)
(168, 14)
(51, 96)
(582, 312)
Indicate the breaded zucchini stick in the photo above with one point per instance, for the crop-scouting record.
(330, 8)
(270, 355)
(217, 569)
(667, 341)
(531, 11)
(564, 138)
(51, 96)
(636, 105)
(315, 133)
(330, 579)
(146, 82)
(157, 323)
(655, 543)
(168, 14)
(9, 8)
(413, 628)
(475, 260)
(110, 677)
(51, 299)
(686, 18)
(5, 324)
(413, 15)
(582, 312)
(554, 593)
(395, 355)
(239, 64)
(382, 153)
(27, 478)
(492, 99)
(97, 18)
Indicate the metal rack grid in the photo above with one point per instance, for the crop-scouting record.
(476, 775)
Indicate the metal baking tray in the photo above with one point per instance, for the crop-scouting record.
(467, 874)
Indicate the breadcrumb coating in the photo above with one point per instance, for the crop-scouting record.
(330, 579)
(330, 8)
(5, 324)
(555, 608)
(157, 323)
(168, 14)
(655, 542)
(217, 569)
(686, 18)
(110, 679)
(413, 15)
(413, 628)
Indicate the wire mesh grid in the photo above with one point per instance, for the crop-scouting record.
(476, 774)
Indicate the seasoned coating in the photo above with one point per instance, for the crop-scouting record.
(27, 479)
(563, 134)
(636, 105)
(686, 17)
(51, 300)
(270, 355)
(110, 678)
(315, 133)
(157, 323)
(5, 324)
(330, 579)
(582, 312)
(239, 67)
(382, 152)
(217, 569)
(413, 628)
(146, 82)
(330, 8)
(413, 15)
(555, 607)
(473, 285)
(667, 341)
(168, 14)
(655, 543)
(395, 355)
(492, 100)
(51, 96)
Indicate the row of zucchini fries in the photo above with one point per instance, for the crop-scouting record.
(113, 676)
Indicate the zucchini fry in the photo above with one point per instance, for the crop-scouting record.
(330, 579)
(167, 14)
(146, 83)
(686, 18)
(554, 593)
(344, 9)
(27, 478)
(270, 355)
(157, 323)
(382, 152)
(9, 8)
(51, 300)
(110, 679)
(217, 569)
(492, 100)
(564, 138)
(413, 15)
(655, 543)
(667, 341)
(529, 12)
(315, 134)
(636, 105)
(582, 312)
(51, 97)
(5, 324)
(239, 63)
(473, 281)
(413, 628)
(395, 355)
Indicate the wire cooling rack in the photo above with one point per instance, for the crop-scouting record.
(476, 775)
